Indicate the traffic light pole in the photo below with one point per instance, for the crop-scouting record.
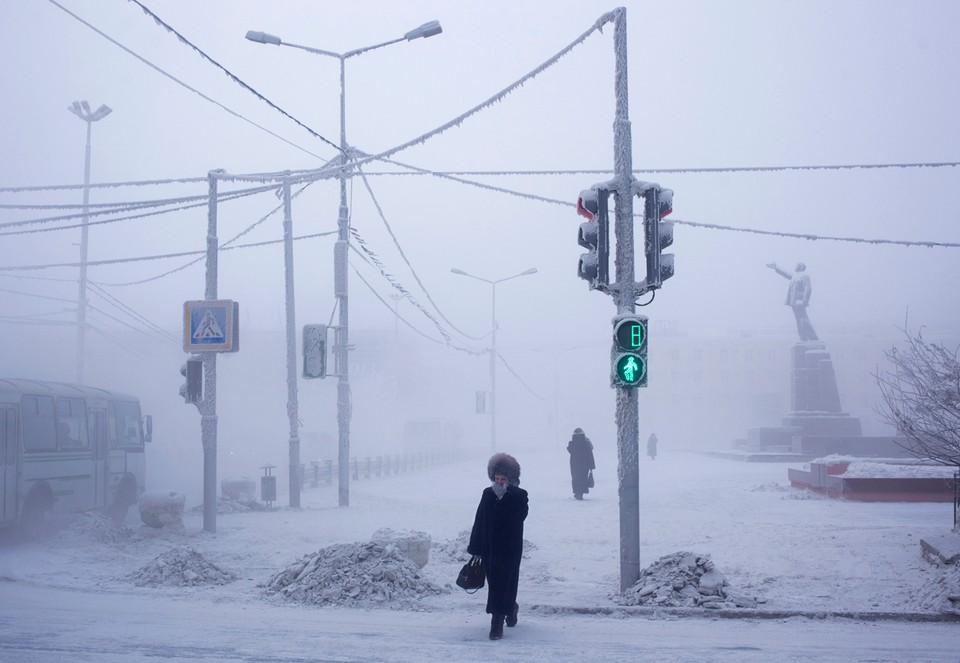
(627, 409)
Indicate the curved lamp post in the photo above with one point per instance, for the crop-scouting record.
(493, 344)
(82, 110)
(341, 248)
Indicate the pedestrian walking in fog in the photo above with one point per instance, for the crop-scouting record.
(652, 446)
(497, 538)
(581, 462)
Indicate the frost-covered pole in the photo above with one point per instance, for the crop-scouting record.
(342, 245)
(628, 429)
(208, 409)
(292, 404)
(82, 110)
(340, 250)
(493, 370)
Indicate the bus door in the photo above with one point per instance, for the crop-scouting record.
(97, 421)
(9, 458)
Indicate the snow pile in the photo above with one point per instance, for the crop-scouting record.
(787, 492)
(942, 594)
(684, 580)
(452, 550)
(181, 567)
(161, 507)
(95, 527)
(873, 470)
(354, 574)
(412, 543)
(231, 505)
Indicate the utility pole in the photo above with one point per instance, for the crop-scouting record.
(82, 110)
(208, 407)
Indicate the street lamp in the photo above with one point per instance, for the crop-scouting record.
(493, 344)
(82, 110)
(342, 244)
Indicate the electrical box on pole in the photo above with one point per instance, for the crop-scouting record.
(629, 355)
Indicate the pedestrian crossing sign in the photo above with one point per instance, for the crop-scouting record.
(211, 325)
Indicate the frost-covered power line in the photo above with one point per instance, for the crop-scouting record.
(194, 90)
(641, 171)
(174, 205)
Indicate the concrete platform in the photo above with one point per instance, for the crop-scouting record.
(827, 478)
(944, 548)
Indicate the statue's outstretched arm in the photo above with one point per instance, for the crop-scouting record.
(773, 266)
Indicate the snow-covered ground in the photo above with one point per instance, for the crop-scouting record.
(790, 550)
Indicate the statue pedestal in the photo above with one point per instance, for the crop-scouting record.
(817, 425)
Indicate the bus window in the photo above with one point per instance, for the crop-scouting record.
(39, 424)
(71, 423)
(13, 434)
(128, 426)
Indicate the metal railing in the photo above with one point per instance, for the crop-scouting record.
(323, 471)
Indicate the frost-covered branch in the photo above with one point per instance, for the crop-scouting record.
(921, 398)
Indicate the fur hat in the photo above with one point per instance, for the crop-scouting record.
(506, 465)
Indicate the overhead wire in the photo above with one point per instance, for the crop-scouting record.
(194, 90)
(640, 171)
(201, 201)
(229, 73)
(498, 97)
(403, 255)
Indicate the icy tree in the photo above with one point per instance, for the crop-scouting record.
(921, 398)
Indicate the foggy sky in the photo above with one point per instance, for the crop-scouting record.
(712, 85)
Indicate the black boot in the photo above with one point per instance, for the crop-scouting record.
(496, 627)
(512, 617)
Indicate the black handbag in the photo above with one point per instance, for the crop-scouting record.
(590, 479)
(472, 575)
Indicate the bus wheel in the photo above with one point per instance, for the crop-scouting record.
(33, 517)
(126, 496)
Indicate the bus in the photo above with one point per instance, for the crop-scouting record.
(68, 448)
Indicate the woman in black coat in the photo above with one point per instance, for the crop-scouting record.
(497, 538)
(581, 462)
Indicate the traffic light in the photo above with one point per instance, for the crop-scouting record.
(594, 236)
(314, 351)
(192, 387)
(658, 234)
(629, 356)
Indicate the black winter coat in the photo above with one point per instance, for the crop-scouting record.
(581, 462)
(497, 537)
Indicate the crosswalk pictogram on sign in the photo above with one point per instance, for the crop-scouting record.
(210, 326)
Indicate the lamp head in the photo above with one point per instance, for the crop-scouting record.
(263, 37)
(425, 30)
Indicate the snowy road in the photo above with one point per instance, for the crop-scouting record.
(70, 597)
(83, 626)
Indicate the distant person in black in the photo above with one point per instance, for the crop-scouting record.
(581, 462)
(652, 446)
(497, 538)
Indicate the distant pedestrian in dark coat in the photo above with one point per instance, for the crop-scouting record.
(652, 446)
(497, 538)
(581, 462)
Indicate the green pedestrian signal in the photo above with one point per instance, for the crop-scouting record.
(629, 355)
